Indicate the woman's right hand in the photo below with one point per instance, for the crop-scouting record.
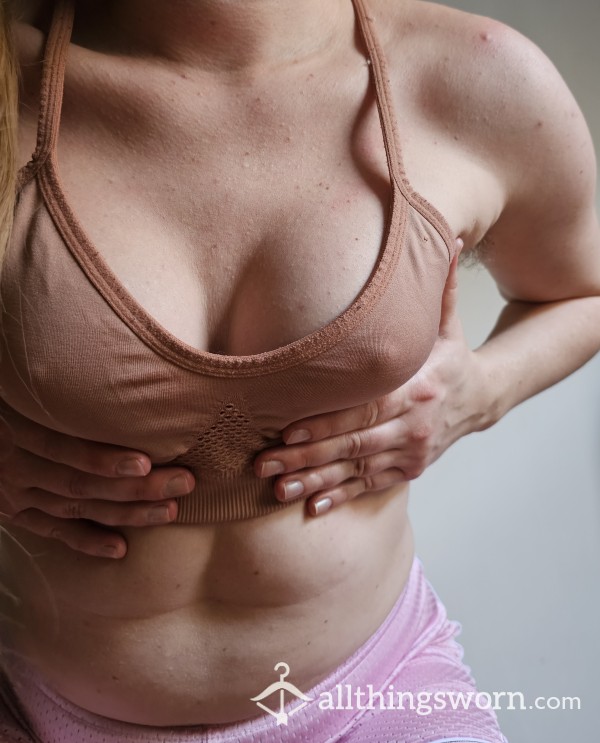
(71, 489)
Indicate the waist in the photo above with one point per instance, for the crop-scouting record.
(416, 623)
(153, 639)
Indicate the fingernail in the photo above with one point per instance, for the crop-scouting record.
(271, 467)
(293, 489)
(176, 486)
(158, 514)
(322, 505)
(298, 436)
(130, 467)
(109, 550)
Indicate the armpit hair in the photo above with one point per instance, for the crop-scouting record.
(476, 256)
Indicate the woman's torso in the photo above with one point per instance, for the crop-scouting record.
(264, 224)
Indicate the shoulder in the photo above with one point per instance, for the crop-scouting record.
(494, 96)
(477, 79)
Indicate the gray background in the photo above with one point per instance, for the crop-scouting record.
(508, 521)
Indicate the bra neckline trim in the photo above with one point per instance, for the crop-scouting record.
(140, 321)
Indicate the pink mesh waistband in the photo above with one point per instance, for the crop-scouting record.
(413, 650)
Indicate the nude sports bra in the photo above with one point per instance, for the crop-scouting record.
(80, 355)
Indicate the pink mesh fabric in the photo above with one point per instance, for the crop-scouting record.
(413, 650)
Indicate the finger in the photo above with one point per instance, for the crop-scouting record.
(392, 434)
(309, 482)
(101, 511)
(328, 499)
(81, 536)
(326, 425)
(449, 299)
(89, 456)
(30, 471)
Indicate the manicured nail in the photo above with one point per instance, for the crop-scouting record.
(130, 467)
(298, 436)
(176, 486)
(293, 489)
(322, 505)
(272, 467)
(158, 514)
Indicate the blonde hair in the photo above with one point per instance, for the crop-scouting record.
(8, 124)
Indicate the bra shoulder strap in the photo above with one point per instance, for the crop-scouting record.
(51, 93)
(385, 104)
(389, 125)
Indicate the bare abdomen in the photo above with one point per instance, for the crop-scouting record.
(191, 623)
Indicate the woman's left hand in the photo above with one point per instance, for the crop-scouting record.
(334, 457)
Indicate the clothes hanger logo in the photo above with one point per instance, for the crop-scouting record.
(281, 686)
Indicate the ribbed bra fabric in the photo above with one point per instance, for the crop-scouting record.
(80, 355)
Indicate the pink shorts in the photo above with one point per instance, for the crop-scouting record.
(394, 688)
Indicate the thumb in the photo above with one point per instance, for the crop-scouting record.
(450, 295)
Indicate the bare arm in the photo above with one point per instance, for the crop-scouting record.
(544, 250)
(517, 118)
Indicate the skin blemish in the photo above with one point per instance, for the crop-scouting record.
(539, 124)
(256, 572)
(115, 678)
(485, 36)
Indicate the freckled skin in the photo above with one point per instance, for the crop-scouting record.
(258, 231)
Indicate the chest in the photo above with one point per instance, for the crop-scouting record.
(236, 219)
(239, 223)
